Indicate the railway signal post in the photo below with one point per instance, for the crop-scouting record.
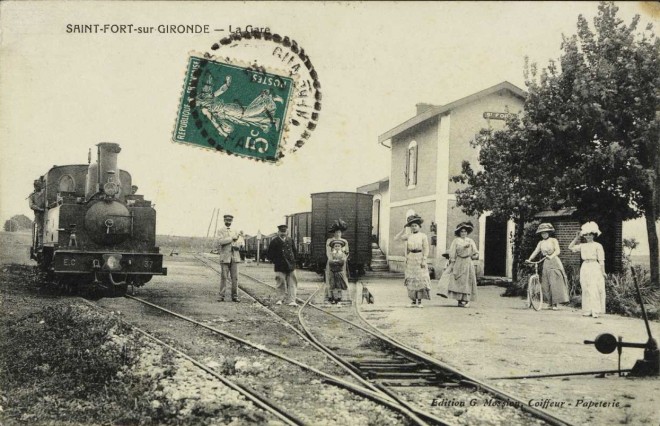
(258, 246)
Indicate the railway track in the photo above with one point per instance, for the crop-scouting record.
(322, 378)
(415, 414)
(401, 372)
(255, 397)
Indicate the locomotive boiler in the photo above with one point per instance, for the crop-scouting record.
(92, 229)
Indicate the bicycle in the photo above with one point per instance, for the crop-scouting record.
(534, 291)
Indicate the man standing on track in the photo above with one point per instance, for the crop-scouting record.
(282, 252)
(228, 245)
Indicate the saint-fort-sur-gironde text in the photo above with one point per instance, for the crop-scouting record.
(158, 29)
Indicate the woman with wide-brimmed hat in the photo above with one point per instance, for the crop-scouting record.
(417, 279)
(592, 271)
(336, 271)
(553, 278)
(463, 286)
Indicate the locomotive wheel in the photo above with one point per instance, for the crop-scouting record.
(119, 290)
(115, 285)
(139, 280)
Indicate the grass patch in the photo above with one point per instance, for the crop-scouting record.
(66, 363)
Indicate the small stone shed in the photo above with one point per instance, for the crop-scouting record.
(567, 223)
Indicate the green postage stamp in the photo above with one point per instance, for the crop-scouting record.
(240, 110)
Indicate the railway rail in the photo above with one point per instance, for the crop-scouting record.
(253, 396)
(392, 366)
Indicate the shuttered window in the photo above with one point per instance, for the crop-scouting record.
(411, 165)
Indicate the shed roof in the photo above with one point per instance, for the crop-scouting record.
(375, 186)
(441, 109)
(567, 212)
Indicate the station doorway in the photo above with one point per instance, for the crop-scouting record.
(495, 247)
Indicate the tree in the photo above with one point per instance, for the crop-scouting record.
(17, 223)
(609, 87)
(508, 183)
(590, 131)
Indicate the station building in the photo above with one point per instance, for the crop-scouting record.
(426, 151)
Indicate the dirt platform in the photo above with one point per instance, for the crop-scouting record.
(501, 337)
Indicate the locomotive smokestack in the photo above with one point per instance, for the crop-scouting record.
(108, 171)
(104, 170)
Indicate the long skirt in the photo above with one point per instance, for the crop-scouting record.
(554, 282)
(592, 284)
(336, 280)
(418, 281)
(463, 285)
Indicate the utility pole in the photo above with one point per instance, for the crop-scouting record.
(258, 246)
(215, 232)
(210, 223)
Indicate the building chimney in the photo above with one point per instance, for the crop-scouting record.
(422, 107)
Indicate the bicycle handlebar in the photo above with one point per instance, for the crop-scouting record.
(535, 263)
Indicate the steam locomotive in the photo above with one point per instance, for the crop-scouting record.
(92, 231)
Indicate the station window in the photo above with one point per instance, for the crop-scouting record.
(411, 165)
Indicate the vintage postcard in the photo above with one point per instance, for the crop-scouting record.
(289, 178)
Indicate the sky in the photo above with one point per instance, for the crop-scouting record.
(61, 93)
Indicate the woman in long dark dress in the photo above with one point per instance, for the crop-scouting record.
(336, 281)
(463, 285)
(553, 278)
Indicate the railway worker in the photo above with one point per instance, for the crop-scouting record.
(592, 271)
(228, 245)
(38, 205)
(417, 279)
(553, 278)
(336, 281)
(282, 252)
(463, 285)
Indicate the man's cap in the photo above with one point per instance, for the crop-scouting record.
(228, 216)
(282, 227)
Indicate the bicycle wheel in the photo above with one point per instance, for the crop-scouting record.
(534, 293)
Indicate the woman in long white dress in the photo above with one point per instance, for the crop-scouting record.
(592, 271)
(417, 279)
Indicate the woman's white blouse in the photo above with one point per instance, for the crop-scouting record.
(590, 251)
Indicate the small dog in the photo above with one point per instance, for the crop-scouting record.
(366, 295)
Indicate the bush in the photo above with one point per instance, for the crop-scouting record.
(621, 293)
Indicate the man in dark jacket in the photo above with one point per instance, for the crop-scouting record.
(282, 252)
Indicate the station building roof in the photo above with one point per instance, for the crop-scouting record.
(431, 111)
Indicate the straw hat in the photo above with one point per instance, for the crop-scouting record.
(341, 242)
(590, 228)
(545, 227)
(468, 226)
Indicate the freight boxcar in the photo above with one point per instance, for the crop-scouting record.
(300, 230)
(251, 246)
(354, 209)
